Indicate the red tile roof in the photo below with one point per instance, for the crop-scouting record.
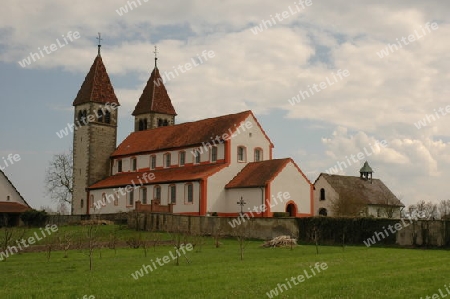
(257, 174)
(154, 98)
(12, 207)
(186, 134)
(178, 174)
(96, 86)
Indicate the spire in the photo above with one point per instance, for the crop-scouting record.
(154, 98)
(96, 86)
(99, 42)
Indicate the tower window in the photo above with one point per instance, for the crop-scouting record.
(8, 198)
(133, 164)
(160, 122)
(100, 115)
(119, 166)
(142, 125)
(82, 203)
(322, 194)
(107, 117)
(166, 123)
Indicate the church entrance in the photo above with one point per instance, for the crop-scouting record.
(290, 208)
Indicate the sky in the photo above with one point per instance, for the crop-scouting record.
(333, 83)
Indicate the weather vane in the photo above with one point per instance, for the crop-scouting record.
(99, 42)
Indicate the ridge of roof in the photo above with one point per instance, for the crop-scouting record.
(180, 135)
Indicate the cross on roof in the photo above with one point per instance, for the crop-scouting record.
(156, 54)
(99, 42)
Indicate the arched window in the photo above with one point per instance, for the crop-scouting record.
(116, 199)
(141, 125)
(80, 117)
(322, 194)
(323, 212)
(167, 160)
(196, 156)
(84, 117)
(160, 122)
(103, 202)
(82, 203)
(173, 194)
(157, 193)
(144, 195)
(189, 193)
(182, 158)
(214, 154)
(258, 154)
(166, 123)
(100, 115)
(131, 198)
(241, 156)
(152, 162)
(133, 164)
(107, 117)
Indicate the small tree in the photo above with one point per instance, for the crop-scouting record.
(59, 178)
(348, 204)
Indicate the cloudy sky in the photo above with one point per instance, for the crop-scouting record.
(297, 55)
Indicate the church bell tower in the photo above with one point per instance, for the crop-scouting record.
(95, 132)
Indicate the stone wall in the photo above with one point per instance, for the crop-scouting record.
(255, 228)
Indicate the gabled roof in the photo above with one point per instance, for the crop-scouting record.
(182, 135)
(13, 207)
(154, 98)
(96, 87)
(373, 193)
(170, 175)
(257, 174)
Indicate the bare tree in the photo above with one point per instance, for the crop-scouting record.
(58, 178)
(444, 209)
(347, 204)
(423, 210)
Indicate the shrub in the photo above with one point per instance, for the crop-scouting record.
(34, 217)
(280, 214)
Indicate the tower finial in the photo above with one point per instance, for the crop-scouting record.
(99, 42)
(156, 55)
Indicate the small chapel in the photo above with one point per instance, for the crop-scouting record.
(221, 165)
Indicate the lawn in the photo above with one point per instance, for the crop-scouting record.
(356, 272)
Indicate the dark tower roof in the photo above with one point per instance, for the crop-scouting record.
(154, 98)
(96, 87)
(366, 168)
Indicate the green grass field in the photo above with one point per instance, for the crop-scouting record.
(356, 272)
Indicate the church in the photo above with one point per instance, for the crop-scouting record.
(220, 166)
